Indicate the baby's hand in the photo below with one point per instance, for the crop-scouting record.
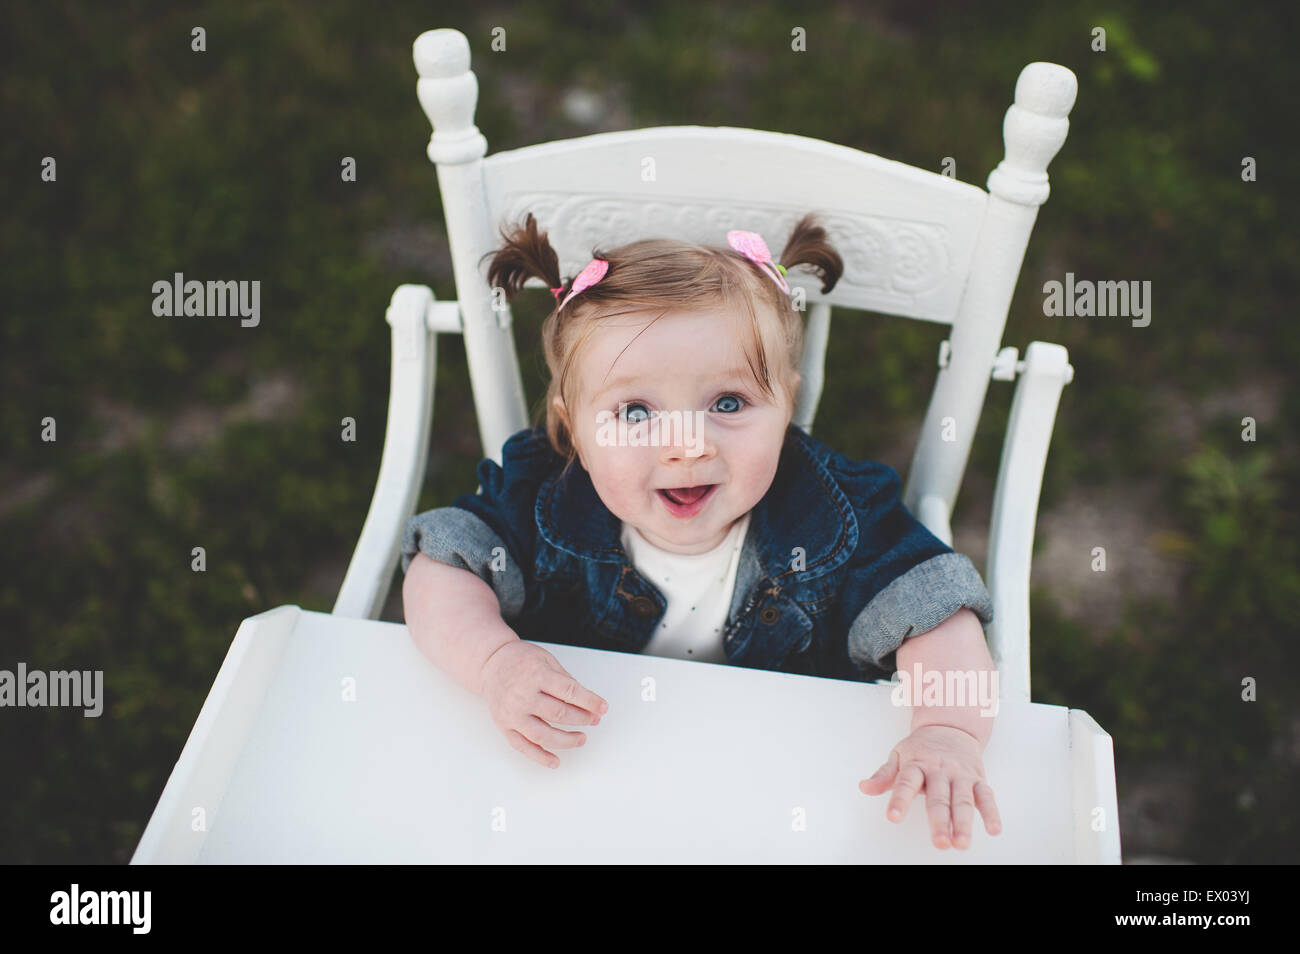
(526, 688)
(945, 761)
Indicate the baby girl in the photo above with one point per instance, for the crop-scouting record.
(670, 507)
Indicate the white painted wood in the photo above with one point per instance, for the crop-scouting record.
(191, 800)
(812, 366)
(1096, 805)
(1034, 129)
(444, 317)
(406, 452)
(1044, 372)
(448, 93)
(906, 235)
(713, 770)
(932, 511)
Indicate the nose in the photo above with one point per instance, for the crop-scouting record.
(686, 438)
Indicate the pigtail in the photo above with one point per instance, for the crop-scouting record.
(526, 254)
(808, 246)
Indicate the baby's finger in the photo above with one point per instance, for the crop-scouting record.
(535, 730)
(531, 749)
(938, 805)
(906, 786)
(988, 808)
(564, 687)
(963, 812)
(883, 778)
(550, 709)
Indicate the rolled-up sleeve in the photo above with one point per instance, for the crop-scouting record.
(458, 538)
(916, 603)
(902, 580)
(491, 533)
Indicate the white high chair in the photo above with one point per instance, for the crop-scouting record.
(328, 737)
(915, 244)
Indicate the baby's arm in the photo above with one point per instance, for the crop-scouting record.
(943, 753)
(903, 580)
(454, 618)
(956, 644)
(458, 596)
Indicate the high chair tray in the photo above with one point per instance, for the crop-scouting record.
(331, 739)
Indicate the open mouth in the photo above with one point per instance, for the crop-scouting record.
(686, 501)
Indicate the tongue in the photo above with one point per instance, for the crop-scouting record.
(688, 495)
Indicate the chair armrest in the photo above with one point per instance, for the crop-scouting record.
(415, 319)
(1044, 371)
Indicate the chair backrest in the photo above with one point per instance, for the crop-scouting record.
(915, 243)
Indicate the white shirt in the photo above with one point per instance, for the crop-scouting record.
(698, 587)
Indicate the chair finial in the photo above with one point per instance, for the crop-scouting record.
(1034, 130)
(441, 54)
(1047, 89)
(448, 93)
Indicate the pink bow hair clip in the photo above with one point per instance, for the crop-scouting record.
(749, 244)
(593, 273)
(752, 246)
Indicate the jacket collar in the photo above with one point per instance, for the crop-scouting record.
(804, 507)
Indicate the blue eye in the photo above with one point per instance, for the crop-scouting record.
(628, 411)
(740, 402)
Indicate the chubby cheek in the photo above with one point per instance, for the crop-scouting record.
(752, 456)
(752, 475)
(622, 480)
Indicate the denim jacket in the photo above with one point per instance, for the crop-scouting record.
(834, 573)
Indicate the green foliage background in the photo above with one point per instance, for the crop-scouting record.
(225, 164)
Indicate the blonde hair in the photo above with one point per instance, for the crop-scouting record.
(660, 274)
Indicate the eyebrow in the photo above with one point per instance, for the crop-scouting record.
(731, 374)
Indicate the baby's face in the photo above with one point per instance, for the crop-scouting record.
(725, 434)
